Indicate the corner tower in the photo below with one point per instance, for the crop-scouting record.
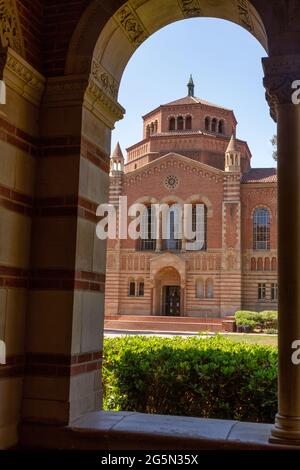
(232, 157)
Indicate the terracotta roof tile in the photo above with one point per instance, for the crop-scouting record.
(194, 100)
(260, 175)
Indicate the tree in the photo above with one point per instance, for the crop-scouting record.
(274, 143)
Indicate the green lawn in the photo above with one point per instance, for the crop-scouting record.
(270, 340)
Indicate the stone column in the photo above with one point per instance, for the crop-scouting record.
(159, 233)
(280, 73)
(66, 305)
(19, 136)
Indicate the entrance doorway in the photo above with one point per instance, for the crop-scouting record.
(172, 301)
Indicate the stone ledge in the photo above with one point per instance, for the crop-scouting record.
(136, 431)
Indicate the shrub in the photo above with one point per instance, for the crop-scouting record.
(209, 377)
(256, 320)
(270, 319)
(248, 319)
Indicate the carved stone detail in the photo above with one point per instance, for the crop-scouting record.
(65, 90)
(131, 25)
(106, 108)
(190, 8)
(280, 73)
(245, 15)
(171, 164)
(20, 76)
(10, 30)
(104, 79)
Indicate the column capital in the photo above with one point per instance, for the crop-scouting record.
(280, 74)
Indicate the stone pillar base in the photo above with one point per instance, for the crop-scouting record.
(286, 431)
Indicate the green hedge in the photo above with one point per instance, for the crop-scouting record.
(257, 320)
(209, 378)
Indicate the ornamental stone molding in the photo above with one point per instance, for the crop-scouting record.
(131, 25)
(10, 29)
(104, 79)
(280, 73)
(78, 90)
(245, 18)
(102, 105)
(170, 164)
(166, 260)
(65, 91)
(20, 76)
(171, 182)
(190, 8)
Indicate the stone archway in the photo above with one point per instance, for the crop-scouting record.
(167, 283)
(118, 40)
(167, 270)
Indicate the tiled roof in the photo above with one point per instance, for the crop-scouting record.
(194, 100)
(260, 175)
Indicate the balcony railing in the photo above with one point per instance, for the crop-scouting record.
(171, 245)
(146, 245)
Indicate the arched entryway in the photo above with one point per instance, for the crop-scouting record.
(168, 294)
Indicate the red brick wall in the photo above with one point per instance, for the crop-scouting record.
(31, 14)
(253, 196)
(48, 26)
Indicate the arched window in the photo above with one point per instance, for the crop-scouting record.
(267, 264)
(199, 228)
(253, 264)
(147, 131)
(207, 123)
(174, 228)
(199, 291)
(172, 125)
(261, 229)
(260, 264)
(221, 127)
(131, 288)
(214, 124)
(188, 123)
(180, 122)
(209, 289)
(147, 241)
(152, 128)
(155, 127)
(274, 264)
(141, 288)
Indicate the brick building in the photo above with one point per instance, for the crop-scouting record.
(190, 154)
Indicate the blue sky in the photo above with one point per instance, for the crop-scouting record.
(225, 61)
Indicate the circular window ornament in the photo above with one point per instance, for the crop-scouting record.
(171, 182)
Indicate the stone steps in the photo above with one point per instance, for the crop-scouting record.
(163, 326)
(164, 319)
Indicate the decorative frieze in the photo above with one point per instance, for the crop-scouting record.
(280, 73)
(104, 79)
(102, 105)
(190, 8)
(245, 15)
(137, 262)
(10, 30)
(171, 164)
(20, 76)
(65, 90)
(204, 262)
(131, 25)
